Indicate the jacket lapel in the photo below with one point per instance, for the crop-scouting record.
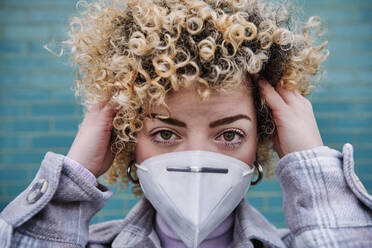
(138, 225)
(251, 229)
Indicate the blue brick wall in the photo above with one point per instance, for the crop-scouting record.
(38, 111)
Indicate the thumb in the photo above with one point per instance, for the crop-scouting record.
(277, 145)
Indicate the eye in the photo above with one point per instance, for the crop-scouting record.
(165, 134)
(229, 136)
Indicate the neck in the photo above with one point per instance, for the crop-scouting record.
(218, 238)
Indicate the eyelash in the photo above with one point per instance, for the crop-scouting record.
(163, 142)
(226, 144)
(229, 144)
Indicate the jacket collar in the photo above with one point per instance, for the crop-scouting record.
(250, 226)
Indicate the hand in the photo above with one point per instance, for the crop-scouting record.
(294, 119)
(91, 147)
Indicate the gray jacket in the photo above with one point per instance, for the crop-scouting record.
(324, 203)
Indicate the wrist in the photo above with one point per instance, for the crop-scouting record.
(82, 170)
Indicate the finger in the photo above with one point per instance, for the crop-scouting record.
(288, 96)
(277, 146)
(111, 109)
(109, 158)
(271, 96)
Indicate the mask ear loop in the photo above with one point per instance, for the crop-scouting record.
(129, 172)
(259, 169)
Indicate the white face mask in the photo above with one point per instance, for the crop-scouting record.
(194, 191)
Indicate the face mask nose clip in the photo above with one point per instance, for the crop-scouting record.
(194, 169)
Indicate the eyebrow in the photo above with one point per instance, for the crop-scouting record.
(170, 121)
(220, 122)
(228, 120)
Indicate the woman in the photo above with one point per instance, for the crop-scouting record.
(187, 97)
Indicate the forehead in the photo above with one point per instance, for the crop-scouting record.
(219, 103)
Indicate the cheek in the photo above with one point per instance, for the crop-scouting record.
(248, 155)
(144, 148)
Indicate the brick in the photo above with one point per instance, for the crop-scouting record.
(12, 175)
(3, 204)
(334, 107)
(11, 79)
(257, 202)
(267, 185)
(339, 46)
(113, 204)
(14, 16)
(349, 31)
(336, 137)
(12, 110)
(319, 93)
(28, 95)
(13, 142)
(37, 79)
(53, 110)
(28, 4)
(338, 76)
(352, 61)
(275, 202)
(67, 125)
(330, 15)
(364, 107)
(365, 137)
(363, 153)
(65, 80)
(43, 48)
(113, 216)
(367, 183)
(26, 32)
(60, 31)
(64, 95)
(94, 220)
(51, 16)
(13, 190)
(52, 141)
(364, 75)
(31, 157)
(323, 122)
(274, 216)
(362, 170)
(26, 126)
(362, 15)
(12, 47)
(25, 64)
(68, 4)
(129, 203)
(353, 92)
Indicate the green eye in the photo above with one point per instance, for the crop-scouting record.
(229, 136)
(166, 135)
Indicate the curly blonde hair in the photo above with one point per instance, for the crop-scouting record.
(132, 52)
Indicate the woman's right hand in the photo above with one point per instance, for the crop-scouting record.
(91, 147)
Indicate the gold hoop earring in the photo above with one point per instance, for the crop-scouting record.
(259, 169)
(129, 172)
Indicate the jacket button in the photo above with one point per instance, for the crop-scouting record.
(37, 191)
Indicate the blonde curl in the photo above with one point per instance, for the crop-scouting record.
(133, 52)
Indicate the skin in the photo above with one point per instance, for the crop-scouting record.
(292, 113)
(224, 123)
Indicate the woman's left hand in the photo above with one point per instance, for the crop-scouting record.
(294, 119)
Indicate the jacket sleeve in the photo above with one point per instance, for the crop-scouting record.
(54, 211)
(324, 202)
